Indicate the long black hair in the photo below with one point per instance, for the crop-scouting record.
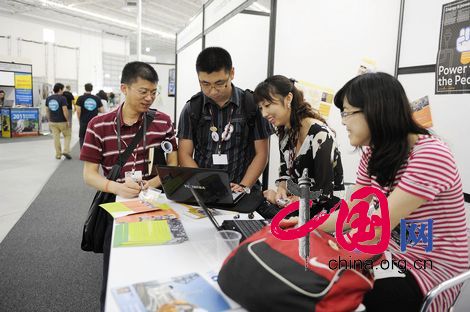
(387, 110)
(279, 85)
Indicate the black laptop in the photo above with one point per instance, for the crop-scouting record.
(213, 186)
(245, 227)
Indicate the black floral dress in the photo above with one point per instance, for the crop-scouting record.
(319, 153)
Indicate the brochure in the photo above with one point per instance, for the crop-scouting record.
(190, 292)
(148, 233)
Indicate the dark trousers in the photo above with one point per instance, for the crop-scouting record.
(106, 254)
(81, 142)
(394, 294)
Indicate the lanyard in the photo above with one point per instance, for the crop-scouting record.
(226, 133)
(118, 134)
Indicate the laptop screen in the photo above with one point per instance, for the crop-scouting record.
(213, 185)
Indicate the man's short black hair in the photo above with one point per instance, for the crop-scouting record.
(88, 87)
(57, 87)
(213, 59)
(134, 70)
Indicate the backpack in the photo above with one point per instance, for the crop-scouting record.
(249, 110)
(265, 273)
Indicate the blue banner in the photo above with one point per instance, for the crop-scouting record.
(24, 97)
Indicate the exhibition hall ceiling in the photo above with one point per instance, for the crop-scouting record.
(161, 19)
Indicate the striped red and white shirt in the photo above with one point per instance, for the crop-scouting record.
(430, 172)
(100, 145)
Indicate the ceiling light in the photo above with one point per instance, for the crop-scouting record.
(133, 26)
(48, 35)
(260, 7)
(147, 49)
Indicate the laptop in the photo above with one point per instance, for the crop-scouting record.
(213, 186)
(245, 227)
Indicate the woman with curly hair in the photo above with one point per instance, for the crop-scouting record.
(305, 141)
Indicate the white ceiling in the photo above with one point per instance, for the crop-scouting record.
(161, 19)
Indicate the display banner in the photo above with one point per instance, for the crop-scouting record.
(453, 58)
(171, 82)
(6, 126)
(24, 122)
(23, 89)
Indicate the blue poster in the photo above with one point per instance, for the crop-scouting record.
(24, 122)
(24, 97)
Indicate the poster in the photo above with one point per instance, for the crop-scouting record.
(23, 89)
(24, 122)
(171, 82)
(6, 126)
(453, 58)
(422, 112)
(320, 98)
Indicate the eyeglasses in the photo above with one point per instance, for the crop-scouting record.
(218, 85)
(347, 114)
(146, 92)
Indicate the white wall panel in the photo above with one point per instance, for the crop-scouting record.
(323, 42)
(187, 83)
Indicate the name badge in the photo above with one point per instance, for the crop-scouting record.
(136, 176)
(219, 159)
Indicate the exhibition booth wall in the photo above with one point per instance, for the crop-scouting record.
(324, 44)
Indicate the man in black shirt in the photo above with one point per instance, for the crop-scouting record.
(69, 96)
(88, 106)
(58, 116)
(230, 134)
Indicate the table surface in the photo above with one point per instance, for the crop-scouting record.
(129, 265)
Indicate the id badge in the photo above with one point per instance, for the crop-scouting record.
(136, 176)
(219, 159)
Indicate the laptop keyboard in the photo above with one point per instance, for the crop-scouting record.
(244, 227)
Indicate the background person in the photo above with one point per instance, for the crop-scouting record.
(139, 85)
(305, 141)
(104, 100)
(88, 106)
(58, 117)
(2, 98)
(418, 173)
(243, 149)
(69, 97)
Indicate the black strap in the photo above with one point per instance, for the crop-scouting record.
(114, 173)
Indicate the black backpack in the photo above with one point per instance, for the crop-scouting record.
(249, 110)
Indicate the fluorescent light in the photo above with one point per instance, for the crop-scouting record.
(260, 7)
(147, 49)
(133, 26)
(107, 76)
(48, 35)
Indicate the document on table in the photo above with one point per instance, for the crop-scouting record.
(152, 232)
(119, 209)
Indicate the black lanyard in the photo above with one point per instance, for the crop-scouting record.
(118, 134)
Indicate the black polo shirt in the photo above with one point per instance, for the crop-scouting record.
(89, 105)
(239, 148)
(55, 103)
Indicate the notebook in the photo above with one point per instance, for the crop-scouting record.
(245, 227)
(213, 186)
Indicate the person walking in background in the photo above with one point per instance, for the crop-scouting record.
(104, 100)
(88, 106)
(58, 117)
(69, 97)
(2, 97)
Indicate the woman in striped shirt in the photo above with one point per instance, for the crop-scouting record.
(418, 174)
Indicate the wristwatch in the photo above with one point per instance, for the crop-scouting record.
(246, 189)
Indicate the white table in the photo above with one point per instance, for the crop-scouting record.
(129, 265)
